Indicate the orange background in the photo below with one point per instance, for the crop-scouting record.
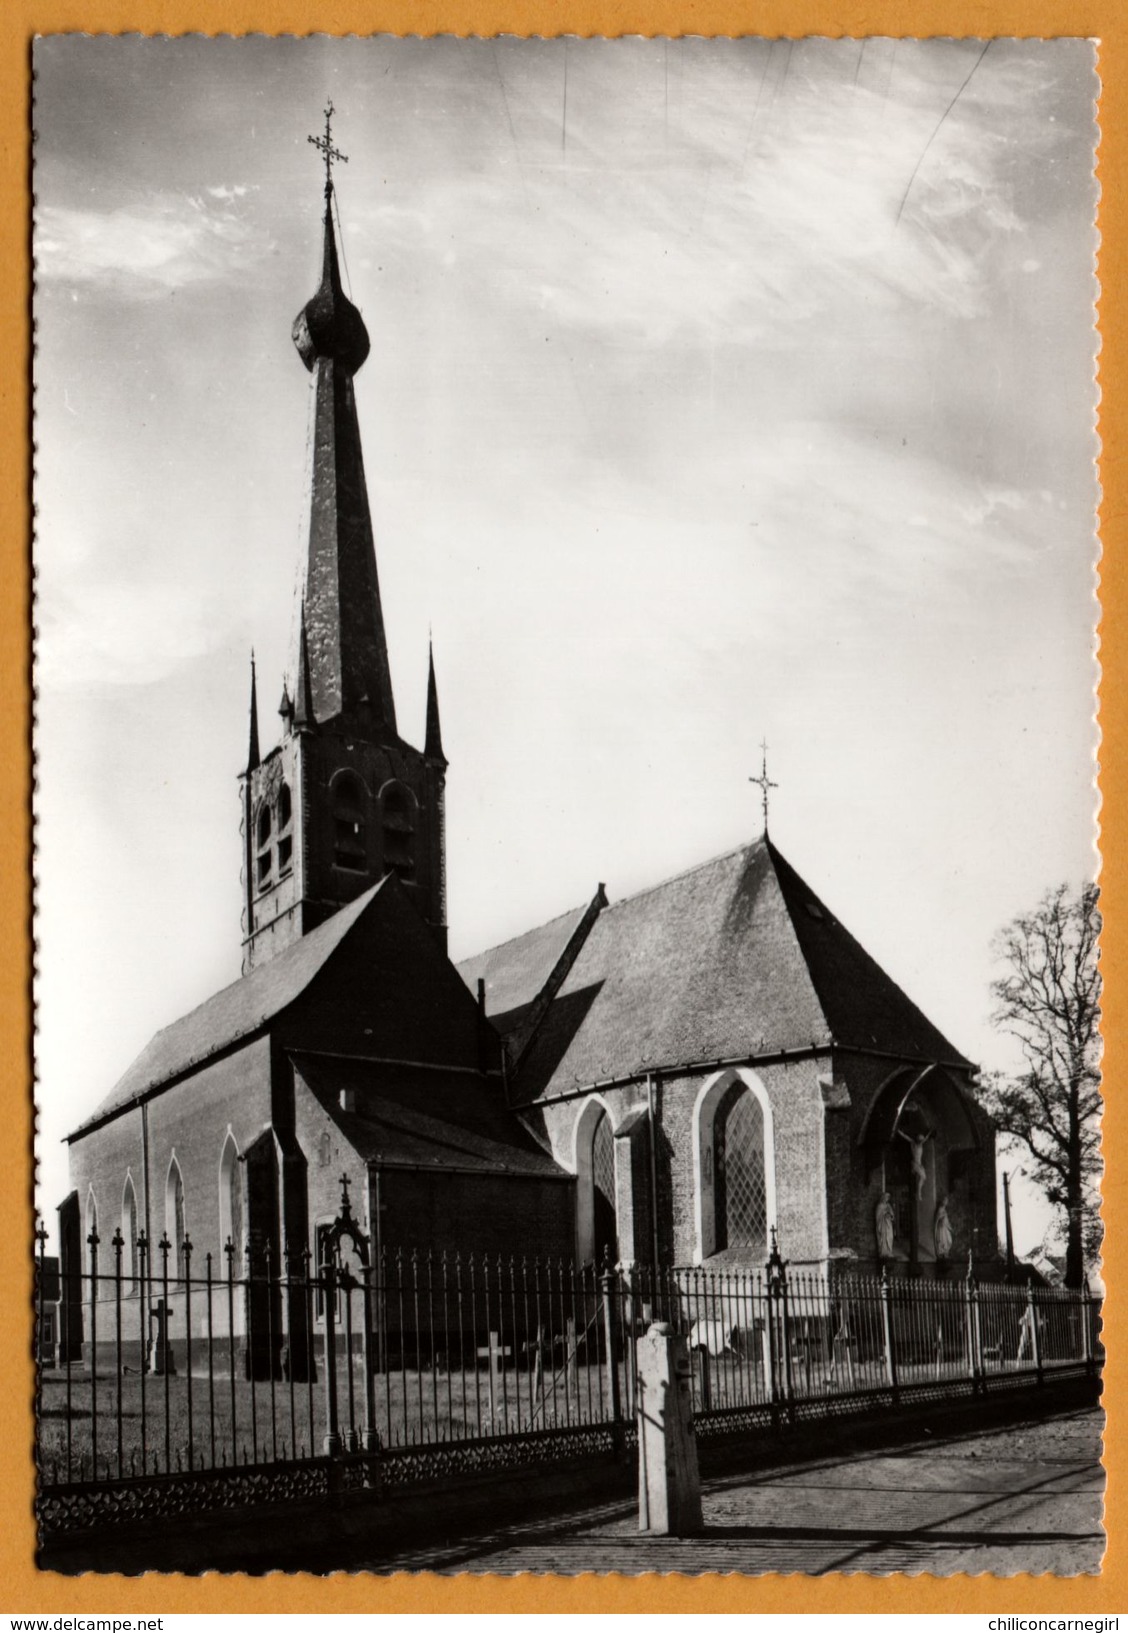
(22, 1587)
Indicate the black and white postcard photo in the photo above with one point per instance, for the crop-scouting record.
(567, 859)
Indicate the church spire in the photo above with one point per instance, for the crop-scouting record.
(348, 653)
(433, 743)
(253, 756)
(303, 690)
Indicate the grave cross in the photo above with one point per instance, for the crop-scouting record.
(324, 144)
(496, 1351)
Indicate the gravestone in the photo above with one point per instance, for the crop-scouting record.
(163, 1358)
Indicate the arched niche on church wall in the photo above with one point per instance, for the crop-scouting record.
(717, 1099)
(920, 1144)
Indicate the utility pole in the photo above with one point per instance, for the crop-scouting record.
(1007, 1221)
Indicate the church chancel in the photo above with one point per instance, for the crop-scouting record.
(665, 1079)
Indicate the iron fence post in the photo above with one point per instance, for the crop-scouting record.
(1087, 1326)
(974, 1337)
(371, 1438)
(118, 1243)
(607, 1290)
(1035, 1335)
(92, 1240)
(887, 1331)
(775, 1337)
(332, 1432)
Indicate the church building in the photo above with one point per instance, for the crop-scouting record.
(663, 1079)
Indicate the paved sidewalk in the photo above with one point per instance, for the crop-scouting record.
(1025, 1497)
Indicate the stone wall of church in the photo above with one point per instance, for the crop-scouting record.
(190, 1122)
(796, 1102)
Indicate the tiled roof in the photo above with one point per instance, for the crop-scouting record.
(736, 957)
(235, 1012)
(863, 1005)
(517, 970)
(465, 1124)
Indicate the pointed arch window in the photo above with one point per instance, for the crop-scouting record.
(740, 1176)
(350, 832)
(603, 1191)
(263, 854)
(130, 1268)
(231, 1202)
(91, 1226)
(597, 1226)
(175, 1223)
(285, 834)
(397, 820)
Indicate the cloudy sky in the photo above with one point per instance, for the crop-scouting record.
(718, 390)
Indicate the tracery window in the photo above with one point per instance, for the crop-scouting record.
(739, 1171)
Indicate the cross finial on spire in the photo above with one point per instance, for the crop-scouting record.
(763, 782)
(324, 144)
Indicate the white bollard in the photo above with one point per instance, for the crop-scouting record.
(669, 1486)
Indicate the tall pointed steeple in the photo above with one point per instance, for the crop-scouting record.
(342, 800)
(348, 651)
(433, 743)
(253, 756)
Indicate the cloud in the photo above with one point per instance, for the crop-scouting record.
(169, 243)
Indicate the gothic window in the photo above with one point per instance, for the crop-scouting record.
(263, 858)
(398, 824)
(324, 1151)
(91, 1224)
(130, 1267)
(285, 837)
(606, 1242)
(231, 1203)
(175, 1227)
(739, 1171)
(350, 842)
(597, 1233)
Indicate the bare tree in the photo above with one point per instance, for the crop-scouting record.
(1049, 1001)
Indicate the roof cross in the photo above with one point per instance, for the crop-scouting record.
(763, 782)
(324, 144)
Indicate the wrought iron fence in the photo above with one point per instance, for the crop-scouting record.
(168, 1366)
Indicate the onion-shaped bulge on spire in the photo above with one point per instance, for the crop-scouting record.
(329, 325)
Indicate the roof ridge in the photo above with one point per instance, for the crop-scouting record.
(673, 878)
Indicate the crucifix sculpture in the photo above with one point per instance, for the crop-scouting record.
(763, 782)
(324, 144)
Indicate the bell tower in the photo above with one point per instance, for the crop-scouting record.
(343, 799)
